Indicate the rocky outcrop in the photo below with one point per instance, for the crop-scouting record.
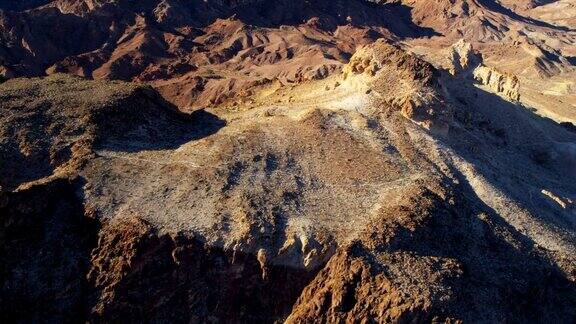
(405, 269)
(204, 53)
(507, 85)
(185, 279)
(463, 58)
(173, 44)
(303, 213)
(395, 192)
(405, 266)
(469, 63)
(58, 262)
(401, 80)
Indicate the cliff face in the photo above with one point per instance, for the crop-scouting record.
(508, 85)
(46, 240)
(467, 62)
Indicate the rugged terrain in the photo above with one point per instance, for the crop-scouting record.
(198, 53)
(287, 161)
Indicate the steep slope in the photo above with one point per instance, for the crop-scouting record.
(513, 38)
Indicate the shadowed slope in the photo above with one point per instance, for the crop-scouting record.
(52, 125)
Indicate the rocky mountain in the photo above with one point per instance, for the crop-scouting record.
(287, 161)
(198, 53)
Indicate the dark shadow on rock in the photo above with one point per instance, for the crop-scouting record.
(158, 126)
(26, 146)
(41, 137)
(180, 279)
(22, 4)
(499, 8)
(69, 35)
(517, 151)
(57, 264)
(571, 60)
(483, 269)
(504, 272)
(87, 40)
(569, 126)
(45, 246)
(17, 168)
(274, 14)
(395, 17)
